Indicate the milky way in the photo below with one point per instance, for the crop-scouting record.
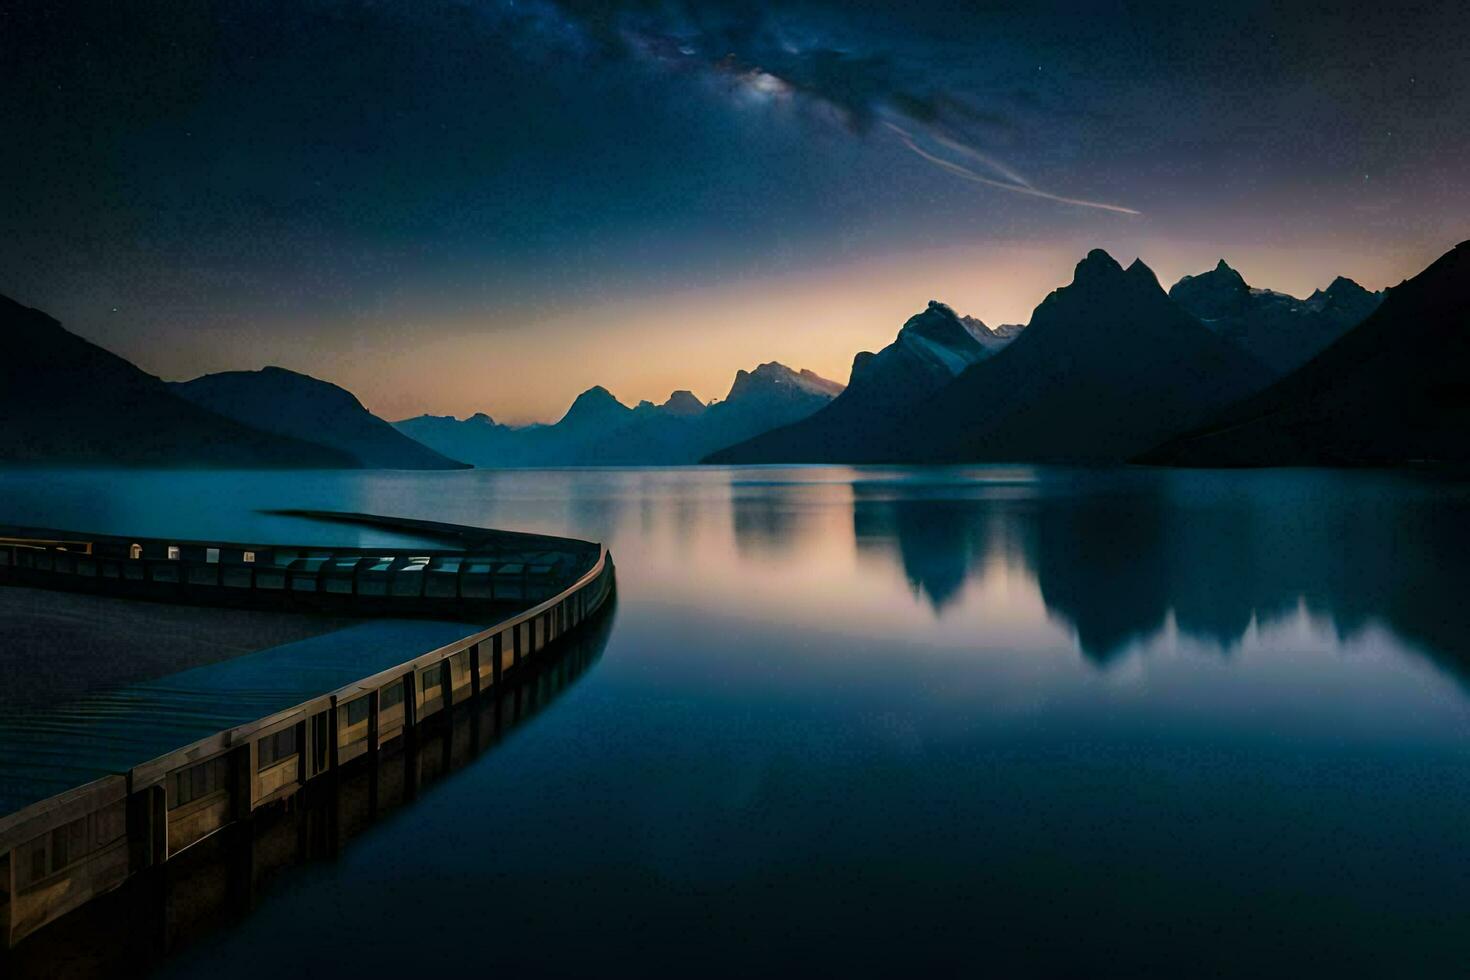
(369, 191)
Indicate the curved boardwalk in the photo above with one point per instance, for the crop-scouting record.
(99, 789)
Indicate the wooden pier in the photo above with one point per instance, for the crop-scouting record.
(217, 743)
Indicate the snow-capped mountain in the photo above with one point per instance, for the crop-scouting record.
(932, 348)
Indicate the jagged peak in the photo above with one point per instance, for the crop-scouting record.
(937, 320)
(1219, 292)
(771, 372)
(774, 370)
(776, 374)
(1097, 265)
(595, 402)
(1140, 270)
(1223, 272)
(597, 392)
(683, 402)
(597, 397)
(1342, 284)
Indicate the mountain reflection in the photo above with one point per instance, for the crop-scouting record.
(769, 518)
(937, 539)
(1115, 558)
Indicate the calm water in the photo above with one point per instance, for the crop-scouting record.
(877, 721)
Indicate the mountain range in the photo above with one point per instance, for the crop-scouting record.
(1392, 390)
(599, 430)
(1108, 367)
(932, 348)
(1281, 331)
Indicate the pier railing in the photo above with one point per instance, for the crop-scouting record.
(507, 569)
(60, 852)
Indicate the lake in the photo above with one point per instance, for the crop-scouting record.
(881, 721)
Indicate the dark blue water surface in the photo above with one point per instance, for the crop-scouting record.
(990, 721)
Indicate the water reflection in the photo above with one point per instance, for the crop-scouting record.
(1056, 717)
(936, 540)
(1120, 558)
(771, 519)
(223, 879)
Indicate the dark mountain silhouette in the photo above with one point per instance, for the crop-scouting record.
(66, 400)
(1280, 330)
(1106, 365)
(599, 430)
(286, 403)
(1393, 390)
(931, 349)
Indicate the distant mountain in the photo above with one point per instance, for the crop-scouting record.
(931, 350)
(681, 403)
(478, 440)
(599, 430)
(296, 405)
(594, 410)
(66, 400)
(1107, 365)
(1282, 331)
(767, 398)
(1393, 390)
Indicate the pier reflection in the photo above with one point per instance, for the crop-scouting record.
(223, 878)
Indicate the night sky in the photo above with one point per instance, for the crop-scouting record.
(455, 207)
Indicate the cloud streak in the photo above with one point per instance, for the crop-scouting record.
(1013, 181)
(764, 58)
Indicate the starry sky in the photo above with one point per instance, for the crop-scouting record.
(488, 205)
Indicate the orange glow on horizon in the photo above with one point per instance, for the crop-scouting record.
(522, 368)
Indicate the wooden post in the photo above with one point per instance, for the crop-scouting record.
(7, 875)
(373, 697)
(157, 803)
(334, 738)
(410, 701)
(242, 782)
(139, 830)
